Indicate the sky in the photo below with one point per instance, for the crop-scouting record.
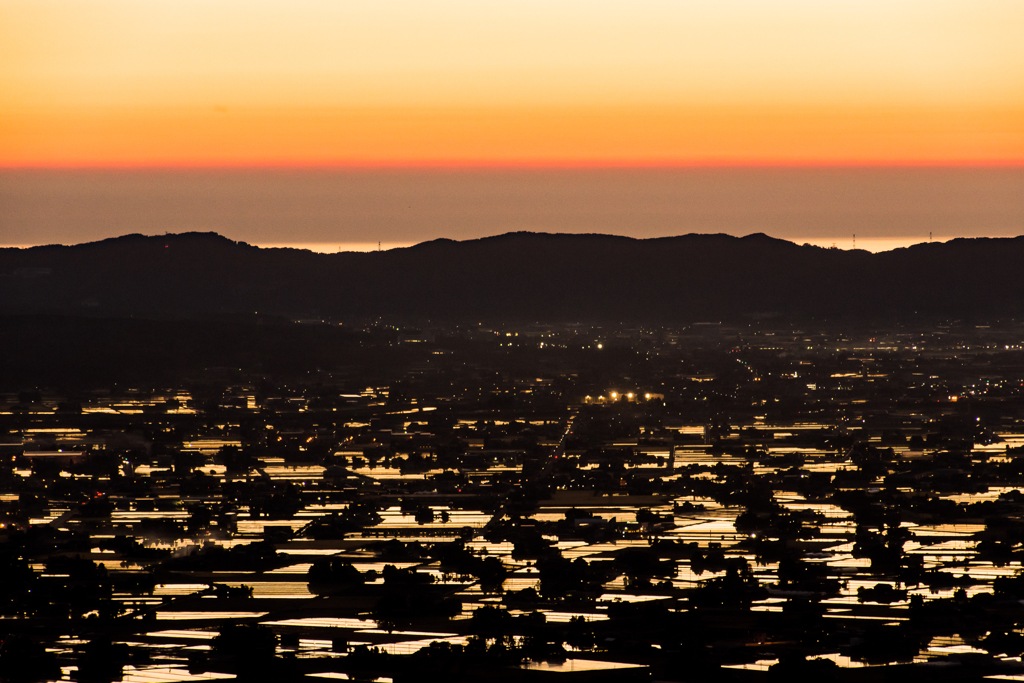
(331, 210)
(442, 85)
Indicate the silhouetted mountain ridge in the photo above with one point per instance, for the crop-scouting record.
(520, 275)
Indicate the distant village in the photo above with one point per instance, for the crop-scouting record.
(705, 502)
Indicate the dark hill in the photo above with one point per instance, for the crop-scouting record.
(523, 276)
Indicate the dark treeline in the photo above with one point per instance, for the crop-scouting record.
(76, 351)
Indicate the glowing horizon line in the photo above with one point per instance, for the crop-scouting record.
(497, 165)
(877, 244)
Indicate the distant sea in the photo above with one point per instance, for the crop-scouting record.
(343, 210)
(873, 245)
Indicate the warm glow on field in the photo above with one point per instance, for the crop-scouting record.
(225, 82)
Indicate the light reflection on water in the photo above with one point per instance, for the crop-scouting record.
(579, 665)
(167, 674)
(168, 615)
(949, 548)
(274, 589)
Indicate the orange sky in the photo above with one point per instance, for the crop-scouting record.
(497, 83)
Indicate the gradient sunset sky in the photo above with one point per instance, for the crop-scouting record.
(418, 119)
(120, 83)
